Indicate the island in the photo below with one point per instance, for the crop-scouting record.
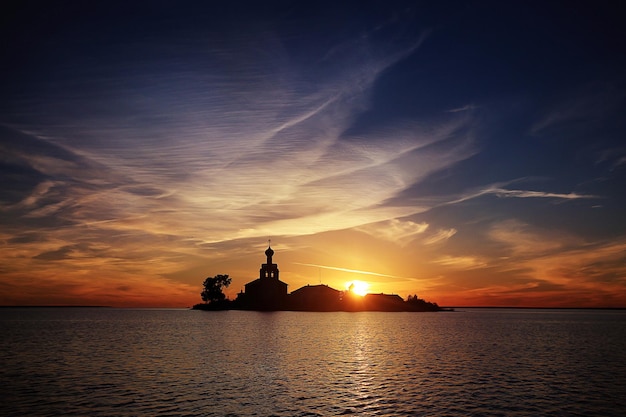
(269, 293)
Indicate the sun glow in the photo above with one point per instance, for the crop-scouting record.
(358, 287)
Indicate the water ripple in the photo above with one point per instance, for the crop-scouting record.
(102, 362)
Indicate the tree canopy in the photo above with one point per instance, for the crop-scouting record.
(212, 288)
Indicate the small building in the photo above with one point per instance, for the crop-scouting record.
(315, 298)
(267, 292)
(383, 302)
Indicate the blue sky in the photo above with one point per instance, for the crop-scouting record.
(470, 152)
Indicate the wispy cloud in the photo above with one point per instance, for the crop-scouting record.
(440, 236)
(460, 262)
(352, 271)
(465, 108)
(592, 103)
(395, 230)
(561, 258)
(616, 157)
(499, 191)
(526, 240)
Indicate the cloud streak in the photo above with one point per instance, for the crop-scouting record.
(499, 191)
(352, 271)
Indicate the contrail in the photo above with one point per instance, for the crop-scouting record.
(356, 271)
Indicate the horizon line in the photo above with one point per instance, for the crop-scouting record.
(187, 307)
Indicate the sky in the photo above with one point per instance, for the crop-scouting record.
(472, 153)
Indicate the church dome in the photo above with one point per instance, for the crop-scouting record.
(269, 252)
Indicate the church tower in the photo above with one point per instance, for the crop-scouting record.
(269, 269)
(266, 292)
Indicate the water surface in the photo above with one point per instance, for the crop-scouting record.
(482, 362)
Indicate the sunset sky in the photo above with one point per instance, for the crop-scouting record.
(472, 153)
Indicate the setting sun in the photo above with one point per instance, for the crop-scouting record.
(358, 287)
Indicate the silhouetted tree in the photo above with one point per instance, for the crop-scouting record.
(212, 289)
(415, 303)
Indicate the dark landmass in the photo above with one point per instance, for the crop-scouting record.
(323, 298)
(269, 293)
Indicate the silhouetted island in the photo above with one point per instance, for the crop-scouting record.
(269, 293)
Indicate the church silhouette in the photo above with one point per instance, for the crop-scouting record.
(267, 292)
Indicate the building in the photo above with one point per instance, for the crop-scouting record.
(267, 292)
(384, 302)
(315, 298)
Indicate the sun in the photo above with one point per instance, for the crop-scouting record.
(358, 287)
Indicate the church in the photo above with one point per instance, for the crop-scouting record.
(267, 292)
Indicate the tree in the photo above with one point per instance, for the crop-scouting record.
(212, 289)
(415, 303)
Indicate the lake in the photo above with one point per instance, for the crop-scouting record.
(472, 362)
